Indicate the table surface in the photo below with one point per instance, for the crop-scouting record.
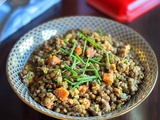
(148, 25)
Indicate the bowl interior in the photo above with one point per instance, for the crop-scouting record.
(24, 47)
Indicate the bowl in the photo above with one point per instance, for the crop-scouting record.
(21, 51)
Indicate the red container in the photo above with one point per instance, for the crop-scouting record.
(125, 11)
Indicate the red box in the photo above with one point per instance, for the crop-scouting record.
(125, 11)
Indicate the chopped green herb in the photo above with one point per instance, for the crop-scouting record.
(74, 62)
(72, 50)
(85, 66)
(45, 72)
(92, 42)
(112, 55)
(100, 32)
(96, 107)
(97, 59)
(119, 76)
(73, 88)
(65, 41)
(135, 81)
(96, 71)
(121, 91)
(107, 57)
(70, 69)
(65, 51)
(79, 58)
(68, 81)
(92, 60)
(126, 61)
(82, 70)
(119, 105)
(29, 76)
(87, 78)
(57, 68)
(98, 81)
(49, 90)
(70, 76)
(84, 48)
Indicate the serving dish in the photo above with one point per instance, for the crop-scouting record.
(24, 47)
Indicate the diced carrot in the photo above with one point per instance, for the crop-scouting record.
(83, 88)
(90, 52)
(78, 50)
(54, 60)
(108, 78)
(106, 46)
(62, 42)
(61, 93)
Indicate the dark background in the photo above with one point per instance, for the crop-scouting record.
(148, 25)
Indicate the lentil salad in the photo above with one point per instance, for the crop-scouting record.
(82, 73)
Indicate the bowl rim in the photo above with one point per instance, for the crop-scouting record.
(90, 117)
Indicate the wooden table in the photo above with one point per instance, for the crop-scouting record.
(12, 108)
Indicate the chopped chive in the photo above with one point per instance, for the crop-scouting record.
(79, 58)
(49, 90)
(84, 48)
(68, 81)
(100, 32)
(126, 61)
(71, 70)
(107, 57)
(98, 58)
(65, 41)
(70, 76)
(57, 68)
(119, 105)
(121, 92)
(135, 81)
(92, 42)
(73, 88)
(98, 81)
(45, 72)
(86, 66)
(56, 52)
(96, 107)
(74, 62)
(112, 55)
(92, 60)
(119, 76)
(85, 70)
(74, 46)
(65, 51)
(29, 76)
(86, 78)
(96, 72)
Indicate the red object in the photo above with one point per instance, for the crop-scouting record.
(125, 11)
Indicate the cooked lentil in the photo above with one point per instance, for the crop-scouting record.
(82, 73)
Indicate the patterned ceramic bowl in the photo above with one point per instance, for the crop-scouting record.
(24, 47)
